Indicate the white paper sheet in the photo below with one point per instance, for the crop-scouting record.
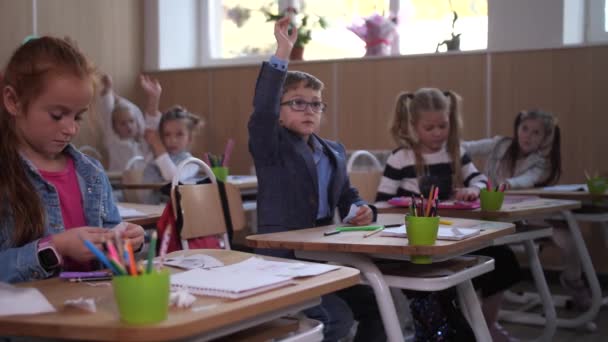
(129, 212)
(193, 261)
(22, 301)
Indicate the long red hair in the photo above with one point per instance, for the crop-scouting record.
(27, 73)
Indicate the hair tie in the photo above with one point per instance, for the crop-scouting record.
(410, 96)
(446, 93)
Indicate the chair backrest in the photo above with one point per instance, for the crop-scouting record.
(366, 182)
(201, 206)
(134, 174)
(91, 151)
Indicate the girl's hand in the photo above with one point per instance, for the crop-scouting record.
(364, 216)
(134, 233)
(106, 84)
(69, 243)
(153, 139)
(285, 41)
(467, 194)
(151, 86)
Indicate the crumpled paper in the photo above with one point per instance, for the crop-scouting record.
(181, 299)
(85, 304)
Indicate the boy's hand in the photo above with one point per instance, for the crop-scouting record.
(285, 41)
(467, 194)
(364, 216)
(151, 86)
(106, 84)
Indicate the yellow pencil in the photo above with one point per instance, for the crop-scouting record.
(373, 232)
(446, 222)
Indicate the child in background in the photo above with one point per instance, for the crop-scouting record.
(170, 145)
(51, 195)
(426, 126)
(123, 124)
(302, 179)
(532, 158)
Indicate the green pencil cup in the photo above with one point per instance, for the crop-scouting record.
(491, 200)
(597, 185)
(143, 299)
(220, 172)
(421, 231)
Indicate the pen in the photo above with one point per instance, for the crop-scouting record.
(331, 233)
(374, 232)
(446, 222)
(78, 280)
(151, 252)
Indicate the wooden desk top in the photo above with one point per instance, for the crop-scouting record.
(312, 239)
(152, 212)
(247, 182)
(525, 208)
(569, 195)
(104, 325)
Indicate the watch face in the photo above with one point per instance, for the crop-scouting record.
(48, 258)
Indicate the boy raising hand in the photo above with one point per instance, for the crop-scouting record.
(302, 178)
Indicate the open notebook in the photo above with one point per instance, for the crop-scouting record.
(444, 233)
(245, 278)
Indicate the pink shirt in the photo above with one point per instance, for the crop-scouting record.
(70, 200)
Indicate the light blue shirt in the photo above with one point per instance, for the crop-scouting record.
(277, 63)
(324, 173)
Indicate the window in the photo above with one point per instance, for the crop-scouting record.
(191, 33)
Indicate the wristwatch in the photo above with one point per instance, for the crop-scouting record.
(48, 257)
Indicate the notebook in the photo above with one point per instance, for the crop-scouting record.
(567, 187)
(444, 233)
(216, 283)
(449, 204)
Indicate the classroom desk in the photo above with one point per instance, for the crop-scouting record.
(528, 208)
(568, 195)
(248, 184)
(352, 249)
(216, 317)
(151, 213)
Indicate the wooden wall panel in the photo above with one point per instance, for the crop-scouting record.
(369, 88)
(15, 25)
(566, 82)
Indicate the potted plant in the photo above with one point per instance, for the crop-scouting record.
(303, 23)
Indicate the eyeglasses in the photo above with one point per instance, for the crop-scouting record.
(300, 105)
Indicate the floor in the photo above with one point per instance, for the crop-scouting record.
(562, 334)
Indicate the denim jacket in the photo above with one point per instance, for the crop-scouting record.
(18, 264)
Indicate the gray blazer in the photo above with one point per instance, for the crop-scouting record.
(287, 176)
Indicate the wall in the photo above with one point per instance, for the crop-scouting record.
(109, 32)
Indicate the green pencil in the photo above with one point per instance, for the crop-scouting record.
(151, 252)
(358, 228)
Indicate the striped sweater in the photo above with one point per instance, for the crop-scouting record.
(400, 177)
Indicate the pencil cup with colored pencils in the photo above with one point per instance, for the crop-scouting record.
(421, 231)
(220, 172)
(143, 299)
(491, 200)
(597, 185)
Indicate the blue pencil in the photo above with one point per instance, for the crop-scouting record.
(100, 256)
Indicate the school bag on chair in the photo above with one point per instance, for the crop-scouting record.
(194, 215)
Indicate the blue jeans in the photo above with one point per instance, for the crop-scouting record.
(339, 310)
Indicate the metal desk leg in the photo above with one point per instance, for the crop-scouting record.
(374, 278)
(549, 321)
(589, 270)
(468, 299)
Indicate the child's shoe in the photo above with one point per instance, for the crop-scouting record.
(500, 334)
(580, 293)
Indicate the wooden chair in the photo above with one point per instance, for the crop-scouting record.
(365, 181)
(201, 206)
(134, 174)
